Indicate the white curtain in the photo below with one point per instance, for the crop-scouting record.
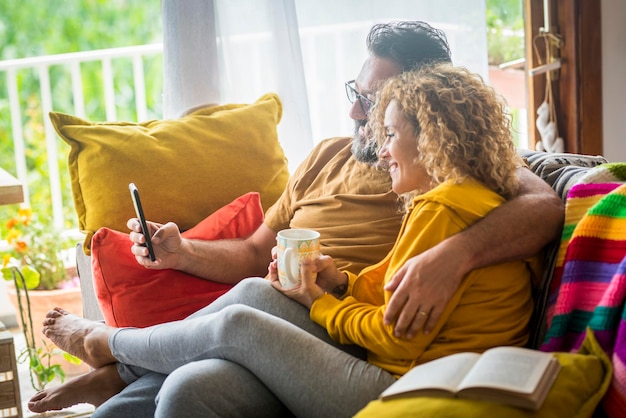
(233, 51)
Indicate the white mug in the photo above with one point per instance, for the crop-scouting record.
(294, 246)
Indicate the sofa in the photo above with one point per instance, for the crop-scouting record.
(562, 172)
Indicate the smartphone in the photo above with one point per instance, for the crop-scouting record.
(134, 194)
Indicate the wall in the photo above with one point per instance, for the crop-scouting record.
(613, 81)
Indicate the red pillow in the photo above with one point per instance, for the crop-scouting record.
(132, 296)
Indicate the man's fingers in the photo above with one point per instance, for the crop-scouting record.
(397, 300)
(394, 307)
(408, 316)
(433, 318)
(132, 224)
(137, 237)
(412, 319)
(421, 318)
(395, 281)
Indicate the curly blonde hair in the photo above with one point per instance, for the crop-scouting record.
(462, 126)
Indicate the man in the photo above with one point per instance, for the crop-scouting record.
(339, 192)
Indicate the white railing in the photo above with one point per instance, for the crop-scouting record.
(73, 62)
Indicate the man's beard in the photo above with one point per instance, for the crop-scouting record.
(364, 148)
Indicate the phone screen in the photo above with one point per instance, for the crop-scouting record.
(134, 194)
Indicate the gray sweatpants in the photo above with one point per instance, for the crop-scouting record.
(253, 352)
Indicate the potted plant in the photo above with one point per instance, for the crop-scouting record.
(35, 266)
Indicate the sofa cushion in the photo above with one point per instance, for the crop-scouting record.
(130, 295)
(185, 168)
(560, 171)
(582, 381)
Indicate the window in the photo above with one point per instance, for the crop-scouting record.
(505, 49)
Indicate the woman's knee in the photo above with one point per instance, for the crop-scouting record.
(239, 317)
(215, 388)
(251, 286)
(255, 292)
(250, 291)
(183, 393)
(183, 385)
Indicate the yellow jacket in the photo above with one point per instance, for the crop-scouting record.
(491, 307)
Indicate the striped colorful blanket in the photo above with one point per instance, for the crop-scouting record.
(588, 288)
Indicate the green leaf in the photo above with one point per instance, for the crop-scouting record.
(31, 276)
(6, 273)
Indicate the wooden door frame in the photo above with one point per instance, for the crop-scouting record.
(577, 88)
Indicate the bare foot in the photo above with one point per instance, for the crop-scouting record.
(85, 339)
(94, 388)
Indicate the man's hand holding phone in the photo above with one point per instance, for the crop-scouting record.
(151, 237)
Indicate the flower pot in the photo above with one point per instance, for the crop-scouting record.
(41, 301)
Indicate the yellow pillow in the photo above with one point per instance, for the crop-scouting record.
(185, 168)
(577, 391)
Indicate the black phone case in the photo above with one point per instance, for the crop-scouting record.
(134, 194)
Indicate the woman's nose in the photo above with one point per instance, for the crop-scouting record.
(383, 151)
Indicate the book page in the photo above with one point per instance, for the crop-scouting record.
(445, 373)
(512, 368)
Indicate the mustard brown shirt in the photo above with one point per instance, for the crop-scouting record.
(348, 202)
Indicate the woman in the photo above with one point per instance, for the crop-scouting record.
(446, 141)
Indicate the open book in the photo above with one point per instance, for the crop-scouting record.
(512, 375)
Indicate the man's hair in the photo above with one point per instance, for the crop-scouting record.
(411, 44)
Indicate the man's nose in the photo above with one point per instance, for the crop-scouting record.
(356, 113)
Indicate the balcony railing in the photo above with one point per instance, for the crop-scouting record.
(73, 63)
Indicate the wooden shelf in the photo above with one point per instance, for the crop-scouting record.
(10, 402)
(10, 189)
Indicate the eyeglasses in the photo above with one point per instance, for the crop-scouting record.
(353, 95)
